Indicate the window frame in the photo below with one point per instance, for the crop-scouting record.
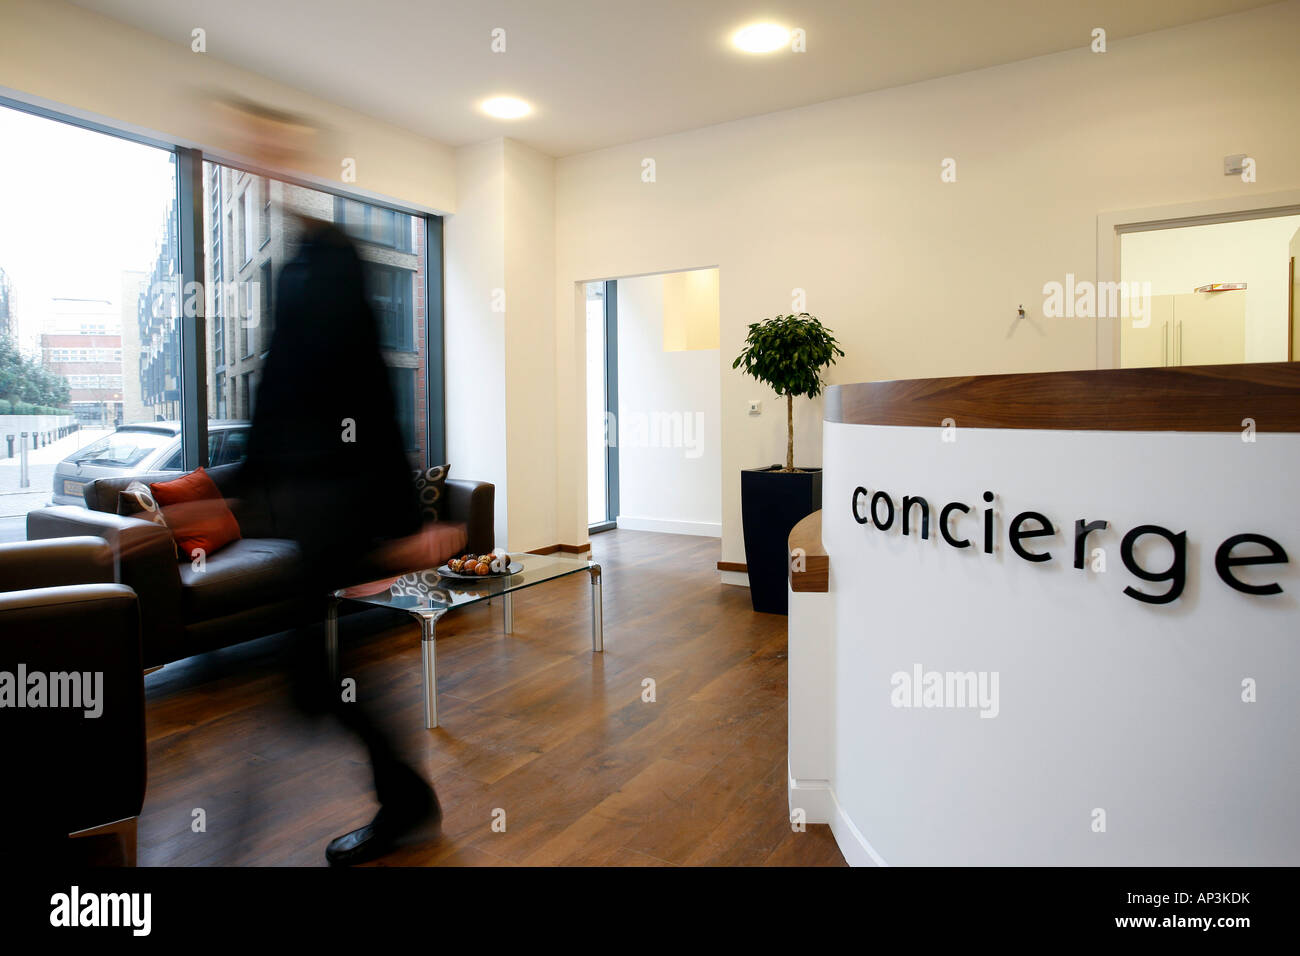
(246, 308)
(264, 217)
(251, 217)
(403, 297)
(369, 230)
(265, 306)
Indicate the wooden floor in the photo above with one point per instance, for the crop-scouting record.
(533, 726)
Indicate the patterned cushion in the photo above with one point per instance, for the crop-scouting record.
(136, 500)
(431, 486)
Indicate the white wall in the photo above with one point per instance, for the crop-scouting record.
(17, 424)
(1256, 251)
(1103, 701)
(669, 413)
(918, 277)
(89, 65)
(530, 347)
(474, 335)
(500, 335)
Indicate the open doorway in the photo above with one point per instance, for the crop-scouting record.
(654, 455)
(1214, 293)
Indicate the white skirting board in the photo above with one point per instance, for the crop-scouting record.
(817, 799)
(706, 529)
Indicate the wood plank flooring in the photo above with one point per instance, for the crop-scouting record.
(535, 729)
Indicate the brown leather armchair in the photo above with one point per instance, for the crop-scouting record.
(75, 744)
(245, 589)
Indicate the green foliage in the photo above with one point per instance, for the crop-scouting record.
(11, 368)
(788, 353)
(28, 408)
(27, 383)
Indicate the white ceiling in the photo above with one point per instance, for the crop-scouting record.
(603, 72)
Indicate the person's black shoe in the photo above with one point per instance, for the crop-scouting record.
(389, 829)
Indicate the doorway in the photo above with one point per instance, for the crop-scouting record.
(654, 458)
(1268, 341)
(1217, 293)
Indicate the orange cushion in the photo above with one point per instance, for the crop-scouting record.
(196, 513)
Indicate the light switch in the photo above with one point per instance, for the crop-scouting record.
(755, 407)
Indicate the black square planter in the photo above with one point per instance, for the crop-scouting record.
(772, 502)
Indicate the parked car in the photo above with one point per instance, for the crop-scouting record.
(145, 448)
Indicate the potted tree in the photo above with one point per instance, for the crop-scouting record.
(788, 353)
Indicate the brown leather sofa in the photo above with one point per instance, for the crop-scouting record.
(244, 590)
(69, 773)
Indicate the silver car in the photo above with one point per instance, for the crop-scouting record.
(147, 448)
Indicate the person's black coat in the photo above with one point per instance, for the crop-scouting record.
(325, 442)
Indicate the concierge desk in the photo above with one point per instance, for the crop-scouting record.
(1060, 622)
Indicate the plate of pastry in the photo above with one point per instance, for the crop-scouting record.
(480, 566)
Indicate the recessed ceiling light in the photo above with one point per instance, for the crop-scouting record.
(761, 38)
(505, 107)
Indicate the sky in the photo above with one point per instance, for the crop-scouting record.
(77, 208)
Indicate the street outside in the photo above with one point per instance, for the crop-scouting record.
(15, 502)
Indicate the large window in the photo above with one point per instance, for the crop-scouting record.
(102, 334)
(242, 288)
(90, 340)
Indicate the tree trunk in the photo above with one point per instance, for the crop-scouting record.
(789, 433)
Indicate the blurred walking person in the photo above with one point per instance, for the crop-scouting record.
(326, 449)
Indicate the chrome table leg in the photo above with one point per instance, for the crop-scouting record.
(597, 613)
(429, 655)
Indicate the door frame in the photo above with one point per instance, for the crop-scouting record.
(609, 305)
(1111, 224)
(1290, 314)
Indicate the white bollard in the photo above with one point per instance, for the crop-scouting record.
(24, 481)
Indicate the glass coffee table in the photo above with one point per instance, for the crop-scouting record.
(427, 596)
